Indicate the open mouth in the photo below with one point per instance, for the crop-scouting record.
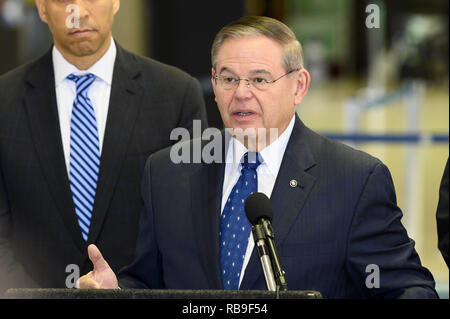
(244, 113)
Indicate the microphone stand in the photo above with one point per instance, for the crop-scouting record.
(259, 237)
(276, 266)
(263, 236)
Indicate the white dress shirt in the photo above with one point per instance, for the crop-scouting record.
(99, 93)
(270, 158)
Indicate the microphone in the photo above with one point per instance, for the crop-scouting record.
(258, 209)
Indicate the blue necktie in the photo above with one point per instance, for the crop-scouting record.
(84, 152)
(234, 226)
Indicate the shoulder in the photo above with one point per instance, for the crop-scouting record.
(16, 75)
(16, 78)
(189, 155)
(348, 172)
(13, 86)
(152, 69)
(341, 158)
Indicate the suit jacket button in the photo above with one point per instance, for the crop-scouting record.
(293, 183)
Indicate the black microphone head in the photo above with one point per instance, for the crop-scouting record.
(258, 206)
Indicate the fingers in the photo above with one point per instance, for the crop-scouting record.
(101, 277)
(97, 259)
(87, 282)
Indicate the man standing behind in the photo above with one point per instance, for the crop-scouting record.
(334, 210)
(76, 127)
(442, 216)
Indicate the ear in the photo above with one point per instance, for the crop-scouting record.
(303, 79)
(213, 82)
(116, 6)
(40, 5)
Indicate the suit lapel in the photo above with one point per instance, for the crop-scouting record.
(41, 108)
(287, 201)
(125, 101)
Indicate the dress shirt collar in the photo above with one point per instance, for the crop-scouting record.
(102, 69)
(271, 156)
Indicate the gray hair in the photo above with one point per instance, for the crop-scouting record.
(264, 26)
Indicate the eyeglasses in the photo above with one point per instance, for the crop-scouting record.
(228, 82)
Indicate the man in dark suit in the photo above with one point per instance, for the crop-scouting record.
(442, 216)
(47, 218)
(336, 223)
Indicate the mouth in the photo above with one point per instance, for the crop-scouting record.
(81, 33)
(244, 112)
(244, 115)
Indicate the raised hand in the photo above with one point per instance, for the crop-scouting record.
(102, 276)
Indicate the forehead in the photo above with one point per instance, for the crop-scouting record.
(64, 4)
(250, 53)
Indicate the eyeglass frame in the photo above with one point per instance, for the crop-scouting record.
(238, 80)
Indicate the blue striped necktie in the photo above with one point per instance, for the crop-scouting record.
(84, 152)
(234, 225)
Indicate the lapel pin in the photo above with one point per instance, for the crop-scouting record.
(293, 183)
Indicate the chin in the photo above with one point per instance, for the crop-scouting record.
(83, 49)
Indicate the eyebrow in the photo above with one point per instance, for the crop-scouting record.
(260, 71)
(253, 72)
(226, 69)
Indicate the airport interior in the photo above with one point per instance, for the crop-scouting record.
(379, 72)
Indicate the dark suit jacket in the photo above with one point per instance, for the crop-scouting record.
(39, 233)
(341, 218)
(442, 216)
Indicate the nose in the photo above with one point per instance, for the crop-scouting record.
(80, 9)
(243, 90)
(247, 82)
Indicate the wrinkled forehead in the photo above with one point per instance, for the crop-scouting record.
(255, 54)
(69, 5)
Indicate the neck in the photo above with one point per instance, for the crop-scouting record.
(262, 139)
(85, 62)
(259, 142)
